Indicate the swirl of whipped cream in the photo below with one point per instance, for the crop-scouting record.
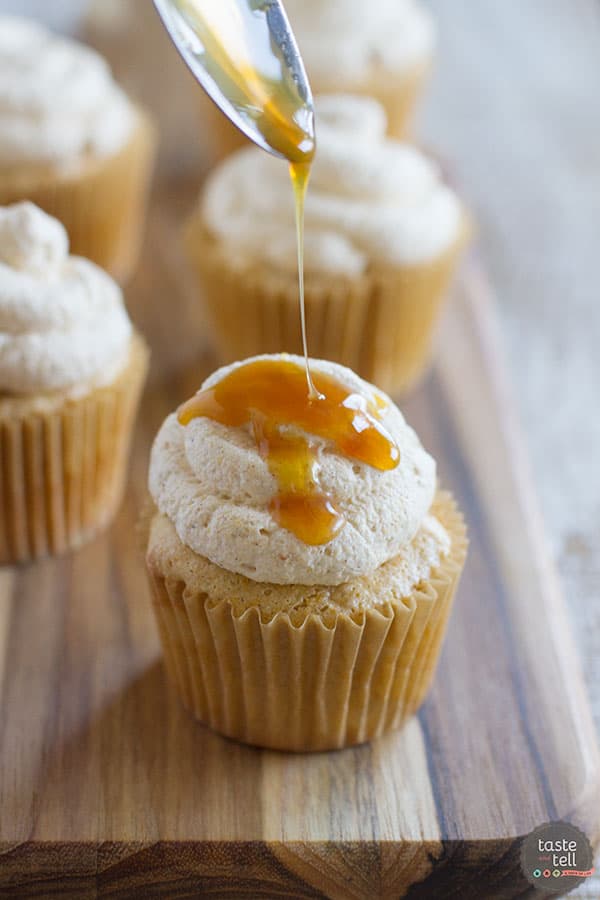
(345, 41)
(62, 319)
(371, 200)
(211, 482)
(58, 100)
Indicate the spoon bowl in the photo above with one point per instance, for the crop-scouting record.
(245, 56)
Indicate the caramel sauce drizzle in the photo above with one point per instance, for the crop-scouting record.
(299, 174)
(270, 395)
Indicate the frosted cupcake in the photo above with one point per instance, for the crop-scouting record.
(382, 238)
(72, 142)
(71, 372)
(382, 49)
(303, 562)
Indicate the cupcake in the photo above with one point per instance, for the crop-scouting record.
(73, 143)
(71, 372)
(302, 560)
(382, 238)
(382, 49)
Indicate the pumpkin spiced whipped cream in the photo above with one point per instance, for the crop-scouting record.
(71, 372)
(303, 561)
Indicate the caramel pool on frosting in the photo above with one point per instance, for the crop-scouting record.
(271, 396)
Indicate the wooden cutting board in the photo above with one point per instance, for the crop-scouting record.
(108, 788)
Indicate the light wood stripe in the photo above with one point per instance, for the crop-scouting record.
(7, 583)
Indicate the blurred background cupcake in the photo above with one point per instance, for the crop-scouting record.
(346, 46)
(72, 142)
(382, 238)
(71, 373)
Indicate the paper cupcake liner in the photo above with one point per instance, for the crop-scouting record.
(101, 203)
(380, 325)
(63, 464)
(218, 134)
(398, 96)
(308, 686)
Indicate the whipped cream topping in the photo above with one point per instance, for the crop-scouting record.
(211, 482)
(58, 100)
(344, 42)
(62, 319)
(371, 200)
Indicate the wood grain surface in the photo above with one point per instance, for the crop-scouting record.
(108, 788)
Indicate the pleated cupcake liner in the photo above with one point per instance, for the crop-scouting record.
(217, 132)
(398, 94)
(63, 463)
(309, 686)
(101, 202)
(380, 325)
(400, 101)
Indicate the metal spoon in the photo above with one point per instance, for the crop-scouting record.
(245, 56)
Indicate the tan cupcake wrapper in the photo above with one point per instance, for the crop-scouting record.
(399, 100)
(101, 202)
(63, 463)
(398, 96)
(313, 686)
(381, 325)
(217, 132)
